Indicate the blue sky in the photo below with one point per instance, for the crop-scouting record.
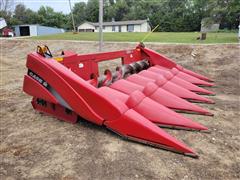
(57, 5)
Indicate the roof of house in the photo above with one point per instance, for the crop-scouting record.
(116, 23)
(26, 25)
(20, 25)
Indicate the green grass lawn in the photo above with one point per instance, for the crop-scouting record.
(162, 37)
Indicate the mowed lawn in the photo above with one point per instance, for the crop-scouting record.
(162, 37)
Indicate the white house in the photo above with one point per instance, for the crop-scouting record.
(116, 26)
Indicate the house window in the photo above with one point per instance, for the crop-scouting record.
(103, 27)
(130, 28)
(113, 28)
(119, 28)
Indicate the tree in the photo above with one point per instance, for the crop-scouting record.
(48, 17)
(92, 10)
(232, 17)
(20, 13)
(121, 9)
(5, 9)
(24, 16)
(6, 5)
(226, 12)
(79, 12)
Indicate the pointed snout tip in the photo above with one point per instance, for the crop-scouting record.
(203, 128)
(192, 155)
(210, 84)
(208, 131)
(211, 94)
(209, 114)
(210, 102)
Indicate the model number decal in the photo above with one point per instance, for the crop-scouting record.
(37, 78)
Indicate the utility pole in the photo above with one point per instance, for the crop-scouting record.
(73, 22)
(100, 25)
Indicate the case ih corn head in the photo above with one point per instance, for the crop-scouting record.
(147, 92)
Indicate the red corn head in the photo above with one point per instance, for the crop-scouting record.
(133, 101)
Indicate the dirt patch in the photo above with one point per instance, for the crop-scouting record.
(36, 146)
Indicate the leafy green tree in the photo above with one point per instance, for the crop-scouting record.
(48, 17)
(232, 17)
(24, 16)
(121, 9)
(20, 14)
(227, 12)
(92, 10)
(79, 12)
